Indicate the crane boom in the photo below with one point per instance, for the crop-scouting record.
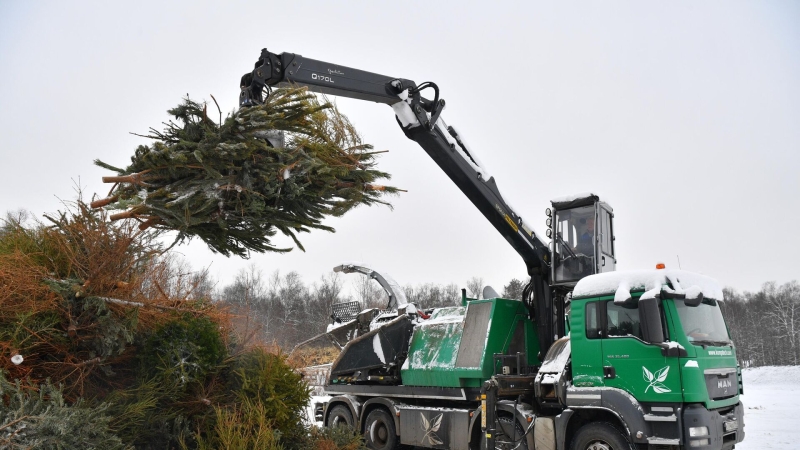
(442, 143)
(421, 121)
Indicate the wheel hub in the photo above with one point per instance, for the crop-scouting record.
(378, 433)
(598, 445)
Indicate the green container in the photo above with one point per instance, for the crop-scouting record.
(455, 347)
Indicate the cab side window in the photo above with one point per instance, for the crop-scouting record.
(621, 321)
(608, 234)
(592, 325)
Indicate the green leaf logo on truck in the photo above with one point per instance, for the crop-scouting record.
(430, 428)
(656, 380)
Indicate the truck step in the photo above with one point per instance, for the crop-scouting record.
(662, 441)
(656, 418)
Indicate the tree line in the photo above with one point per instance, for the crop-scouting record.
(284, 309)
(765, 325)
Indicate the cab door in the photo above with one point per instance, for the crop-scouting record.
(633, 365)
(586, 344)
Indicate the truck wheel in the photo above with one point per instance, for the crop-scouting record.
(340, 417)
(379, 430)
(599, 436)
(510, 434)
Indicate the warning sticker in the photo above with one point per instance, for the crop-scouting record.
(511, 222)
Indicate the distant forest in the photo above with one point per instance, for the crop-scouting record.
(286, 310)
(765, 325)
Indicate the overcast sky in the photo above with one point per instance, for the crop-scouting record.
(683, 115)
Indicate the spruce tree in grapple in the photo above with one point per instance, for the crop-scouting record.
(227, 185)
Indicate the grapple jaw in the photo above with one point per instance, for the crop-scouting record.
(268, 71)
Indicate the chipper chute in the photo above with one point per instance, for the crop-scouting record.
(349, 321)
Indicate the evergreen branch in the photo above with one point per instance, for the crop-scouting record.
(226, 184)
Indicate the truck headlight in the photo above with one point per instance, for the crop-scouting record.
(698, 443)
(698, 431)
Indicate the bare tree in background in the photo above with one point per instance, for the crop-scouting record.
(784, 311)
(324, 294)
(329, 290)
(764, 325)
(432, 295)
(743, 326)
(248, 287)
(184, 282)
(475, 287)
(452, 295)
(292, 294)
(370, 293)
(203, 285)
(248, 296)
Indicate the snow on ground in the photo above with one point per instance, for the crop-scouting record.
(310, 409)
(771, 396)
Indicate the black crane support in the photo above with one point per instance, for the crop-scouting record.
(443, 144)
(272, 69)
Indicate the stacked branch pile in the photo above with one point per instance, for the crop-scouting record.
(106, 342)
(230, 185)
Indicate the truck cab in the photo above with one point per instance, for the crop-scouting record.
(582, 233)
(652, 348)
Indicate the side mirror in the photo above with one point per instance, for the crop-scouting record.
(691, 297)
(650, 321)
(694, 301)
(629, 303)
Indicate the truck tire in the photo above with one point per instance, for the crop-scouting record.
(340, 416)
(379, 430)
(599, 436)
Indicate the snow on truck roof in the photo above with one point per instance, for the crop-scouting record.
(679, 282)
(571, 201)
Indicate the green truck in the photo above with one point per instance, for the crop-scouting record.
(588, 359)
(647, 363)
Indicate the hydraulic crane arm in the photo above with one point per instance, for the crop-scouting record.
(420, 119)
(272, 69)
(421, 122)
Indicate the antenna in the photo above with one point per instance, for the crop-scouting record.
(679, 261)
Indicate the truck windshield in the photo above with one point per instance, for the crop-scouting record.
(703, 324)
(574, 243)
